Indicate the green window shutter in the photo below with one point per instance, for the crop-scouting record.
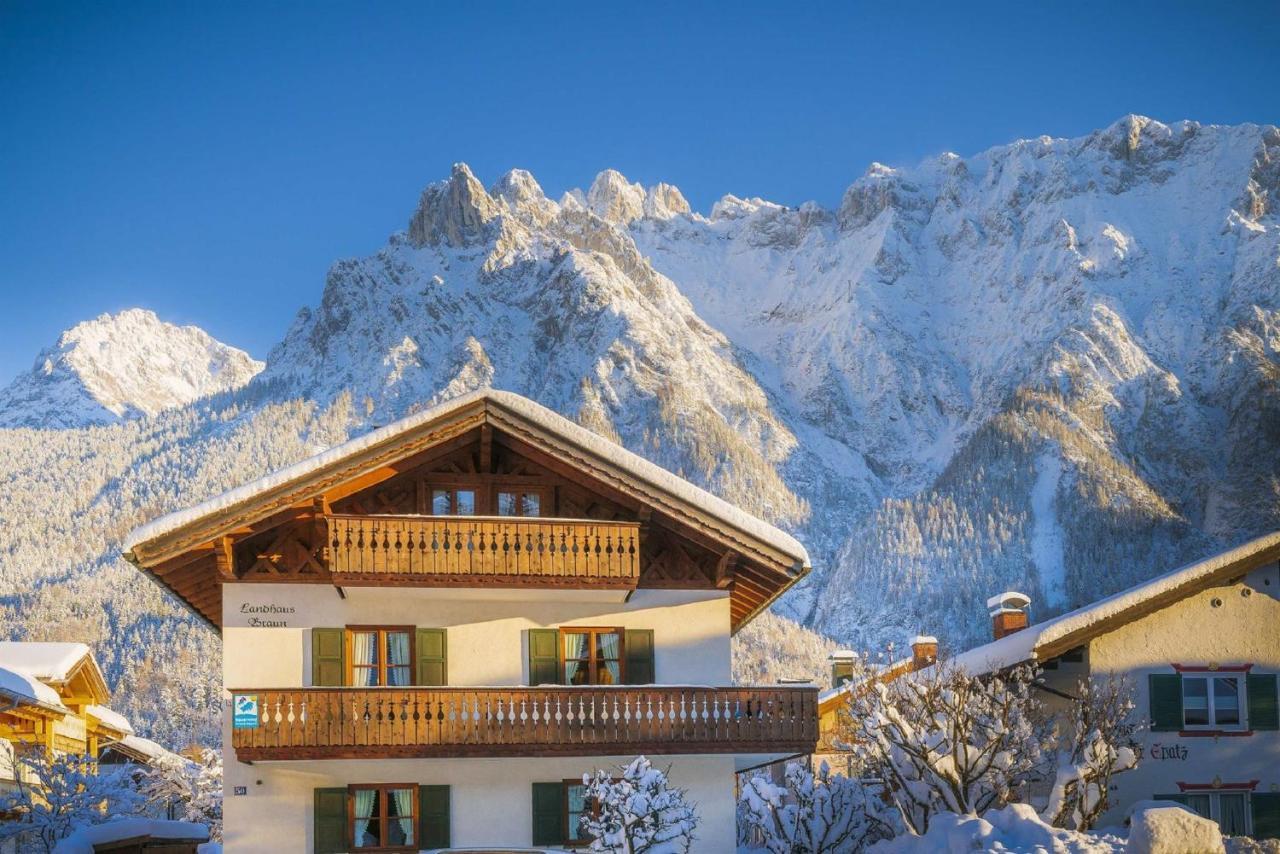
(433, 817)
(548, 814)
(639, 652)
(544, 661)
(330, 821)
(433, 657)
(1166, 701)
(328, 657)
(1264, 711)
(1266, 815)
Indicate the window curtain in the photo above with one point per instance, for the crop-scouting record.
(397, 658)
(364, 658)
(401, 811)
(575, 647)
(577, 803)
(609, 651)
(364, 813)
(1232, 808)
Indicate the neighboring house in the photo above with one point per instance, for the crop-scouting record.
(431, 632)
(53, 695)
(1201, 647)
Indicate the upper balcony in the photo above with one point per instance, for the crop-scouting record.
(348, 723)
(500, 551)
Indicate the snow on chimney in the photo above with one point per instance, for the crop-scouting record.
(1008, 613)
(842, 662)
(924, 651)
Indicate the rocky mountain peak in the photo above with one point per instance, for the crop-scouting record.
(121, 366)
(455, 212)
(614, 199)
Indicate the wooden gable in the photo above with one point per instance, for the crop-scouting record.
(283, 534)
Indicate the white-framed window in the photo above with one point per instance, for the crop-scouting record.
(1230, 809)
(1213, 700)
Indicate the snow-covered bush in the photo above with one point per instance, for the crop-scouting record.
(194, 788)
(1100, 743)
(821, 813)
(946, 741)
(640, 812)
(52, 798)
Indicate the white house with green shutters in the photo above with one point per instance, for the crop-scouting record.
(1201, 647)
(430, 633)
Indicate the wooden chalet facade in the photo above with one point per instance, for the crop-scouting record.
(429, 629)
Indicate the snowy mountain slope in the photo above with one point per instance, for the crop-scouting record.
(1087, 298)
(121, 366)
(1052, 366)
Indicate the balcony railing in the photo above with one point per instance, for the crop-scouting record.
(339, 723)
(500, 550)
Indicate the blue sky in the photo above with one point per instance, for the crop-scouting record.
(210, 161)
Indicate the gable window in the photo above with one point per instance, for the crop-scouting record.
(380, 655)
(449, 501)
(591, 656)
(1211, 701)
(515, 502)
(382, 817)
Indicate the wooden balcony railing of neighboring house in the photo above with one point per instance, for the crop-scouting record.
(497, 550)
(322, 723)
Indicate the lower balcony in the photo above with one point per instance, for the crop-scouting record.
(354, 723)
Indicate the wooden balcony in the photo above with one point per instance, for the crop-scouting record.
(352, 723)
(484, 551)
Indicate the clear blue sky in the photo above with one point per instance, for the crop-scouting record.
(211, 160)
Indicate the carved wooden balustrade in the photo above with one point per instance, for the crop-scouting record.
(321, 723)
(496, 550)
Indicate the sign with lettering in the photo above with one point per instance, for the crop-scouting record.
(269, 616)
(244, 711)
(1161, 752)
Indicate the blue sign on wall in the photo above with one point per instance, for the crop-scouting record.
(244, 711)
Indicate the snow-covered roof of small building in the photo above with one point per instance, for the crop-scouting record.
(111, 719)
(633, 464)
(18, 686)
(121, 829)
(1051, 638)
(148, 751)
(49, 661)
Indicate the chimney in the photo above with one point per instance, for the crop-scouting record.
(842, 661)
(924, 651)
(1008, 613)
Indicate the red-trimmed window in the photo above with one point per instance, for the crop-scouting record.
(1213, 700)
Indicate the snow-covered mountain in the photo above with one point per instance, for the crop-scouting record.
(121, 366)
(1052, 366)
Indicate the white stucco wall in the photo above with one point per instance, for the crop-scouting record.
(1243, 629)
(486, 637)
(491, 800)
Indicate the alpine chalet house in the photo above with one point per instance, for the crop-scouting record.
(432, 631)
(1201, 648)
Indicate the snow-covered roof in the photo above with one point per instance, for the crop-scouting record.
(109, 718)
(1046, 639)
(18, 686)
(84, 840)
(632, 464)
(52, 662)
(148, 750)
